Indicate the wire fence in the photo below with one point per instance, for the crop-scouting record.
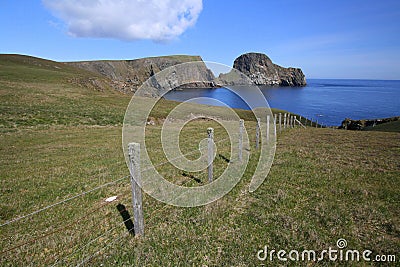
(59, 258)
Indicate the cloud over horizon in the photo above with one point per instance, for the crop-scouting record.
(156, 20)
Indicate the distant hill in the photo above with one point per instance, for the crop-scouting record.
(28, 68)
(39, 92)
(128, 75)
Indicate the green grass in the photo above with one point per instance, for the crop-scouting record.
(393, 126)
(324, 185)
(37, 92)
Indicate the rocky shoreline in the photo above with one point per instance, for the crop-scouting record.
(358, 125)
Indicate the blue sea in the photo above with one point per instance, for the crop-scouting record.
(329, 101)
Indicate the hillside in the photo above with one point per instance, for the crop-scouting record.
(128, 75)
(36, 92)
(61, 157)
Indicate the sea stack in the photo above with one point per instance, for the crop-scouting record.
(260, 69)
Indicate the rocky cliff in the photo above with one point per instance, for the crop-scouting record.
(251, 68)
(260, 69)
(128, 75)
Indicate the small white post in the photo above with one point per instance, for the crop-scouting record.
(210, 132)
(280, 122)
(268, 120)
(134, 168)
(241, 126)
(258, 133)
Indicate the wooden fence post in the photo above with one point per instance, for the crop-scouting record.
(280, 122)
(268, 120)
(258, 133)
(134, 167)
(284, 121)
(210, 132)
(241, 125)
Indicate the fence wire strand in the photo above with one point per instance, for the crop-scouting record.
(63, 201)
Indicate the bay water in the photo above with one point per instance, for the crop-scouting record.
(329, 101)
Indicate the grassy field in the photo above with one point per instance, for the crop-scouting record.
(58, 140)
(393, 126)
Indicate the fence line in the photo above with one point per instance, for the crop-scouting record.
(151, 217)
(288, 121)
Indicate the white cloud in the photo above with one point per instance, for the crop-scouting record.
(158, 20)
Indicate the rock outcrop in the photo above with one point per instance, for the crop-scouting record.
(260, 69)
(128, 75)
(349, 124)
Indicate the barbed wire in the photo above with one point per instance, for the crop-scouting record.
(93, 240)
(74, 222)
(96, 209)
(116, 240)
(63, 201)
(179, 157)
(88, 259)
(151, 216)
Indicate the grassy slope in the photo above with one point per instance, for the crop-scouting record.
(393, 126)
(38, 92)
(324, 185)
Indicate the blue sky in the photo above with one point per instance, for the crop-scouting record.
(327, 39)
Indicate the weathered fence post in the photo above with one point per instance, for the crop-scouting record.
(258, 133)
(210, 132)
(292, 121)
(134, 168)
(300, 120)
(316, 123)
(268, 120)
(284, 121)
(280, 122)
(241, 126)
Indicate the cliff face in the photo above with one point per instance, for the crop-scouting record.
(128, 75)
(260, 69)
